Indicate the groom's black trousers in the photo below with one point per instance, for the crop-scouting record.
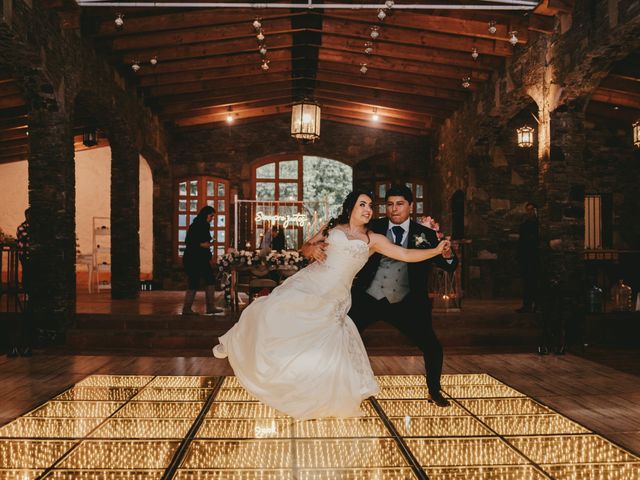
(412, 316)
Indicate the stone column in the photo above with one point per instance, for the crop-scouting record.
(52, 224)
(562, 185)
(163, 209)
(125, 216)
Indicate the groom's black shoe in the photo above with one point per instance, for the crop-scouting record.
(438, 399)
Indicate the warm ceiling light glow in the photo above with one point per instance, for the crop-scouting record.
(375, 117)
(636, 134)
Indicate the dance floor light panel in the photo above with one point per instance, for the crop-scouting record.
(123, 427)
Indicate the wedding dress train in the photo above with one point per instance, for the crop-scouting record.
(297, 350)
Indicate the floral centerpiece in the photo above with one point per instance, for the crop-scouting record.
(231, 259)
(292, 260)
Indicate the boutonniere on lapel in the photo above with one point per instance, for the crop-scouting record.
(420, 241)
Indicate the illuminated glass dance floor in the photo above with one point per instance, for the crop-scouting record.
(190, 428)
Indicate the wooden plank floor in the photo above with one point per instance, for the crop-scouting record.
(604, 400)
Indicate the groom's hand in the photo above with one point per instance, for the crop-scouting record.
(315, 250)
(446, 250)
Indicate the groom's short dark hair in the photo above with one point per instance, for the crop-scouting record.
(399, 191)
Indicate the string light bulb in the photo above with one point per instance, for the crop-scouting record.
(265, 65)
(119, 21)
(474, 53)
(368, 48)
(381, 15)
(135, 66)
(260, 35)
(466, 82)
(257, 24)
(263, 49)
(363, 68)
(375, 117)
(492, 27)
(153, 61)
(375, 33)
(513, 39)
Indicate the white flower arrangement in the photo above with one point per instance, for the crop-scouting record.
(421, 241)
(290, 259)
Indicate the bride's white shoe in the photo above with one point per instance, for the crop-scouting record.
(219, 351)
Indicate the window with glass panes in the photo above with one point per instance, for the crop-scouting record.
(194, 193)
(418, 191)
(280, 180)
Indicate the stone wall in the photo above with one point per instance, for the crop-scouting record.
(551, 78)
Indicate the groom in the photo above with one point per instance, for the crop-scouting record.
(397, 292)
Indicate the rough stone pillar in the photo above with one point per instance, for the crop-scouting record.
(125, 216)
(562, 188)
(52, 226)
(162, 225)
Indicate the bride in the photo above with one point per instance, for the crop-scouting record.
(297, 350)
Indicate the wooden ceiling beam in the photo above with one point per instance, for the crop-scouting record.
(420, 38)
(381, 89)
(623, 99)
(412, 52)
(360, 114)
(209, 63)
(430, 22)
(189, 19)
(340, 117)
(12, 101)
(206, 49)
(10, 89)
(231, 97)
(413, 117)
(240, 114)
(166, 92)
(436, 103)
(404, 66)
(386, 76)
(338, 92)
(8, 121)
(214, 74)
(197, 35)
(282, 98)
(13, 133)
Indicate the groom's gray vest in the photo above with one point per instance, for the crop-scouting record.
(392, 277)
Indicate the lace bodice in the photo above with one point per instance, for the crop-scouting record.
(345, 257)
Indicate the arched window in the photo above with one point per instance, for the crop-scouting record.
(417, 189)
(193, 193)
(296, 178)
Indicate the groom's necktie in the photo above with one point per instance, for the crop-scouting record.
(398, 232)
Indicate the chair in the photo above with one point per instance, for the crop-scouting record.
(250, 280)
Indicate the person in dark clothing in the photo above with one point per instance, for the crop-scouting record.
(529, 259)
(197, 262)
(278, 240)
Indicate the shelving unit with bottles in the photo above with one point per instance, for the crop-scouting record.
(102, 252)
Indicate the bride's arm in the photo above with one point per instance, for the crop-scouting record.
(381, 244)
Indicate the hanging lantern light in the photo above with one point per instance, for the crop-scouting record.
(305, 121)
(636, 134)
(525, 136)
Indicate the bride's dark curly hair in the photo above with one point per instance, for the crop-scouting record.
(347, 208)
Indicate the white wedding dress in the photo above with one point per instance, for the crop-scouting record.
(297, 350)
